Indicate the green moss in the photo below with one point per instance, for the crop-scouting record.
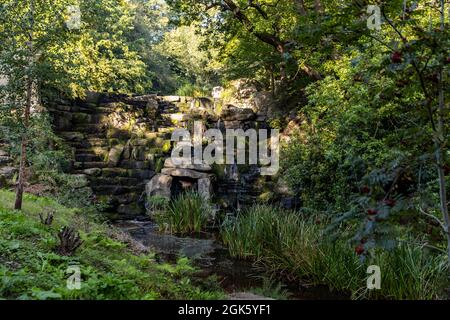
(167, 146)
(266, 197)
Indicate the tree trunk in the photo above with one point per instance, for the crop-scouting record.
(26, 120)
(440, 152)
(23, 154)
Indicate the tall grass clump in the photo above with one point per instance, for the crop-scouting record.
(187, 214)
(296, 246)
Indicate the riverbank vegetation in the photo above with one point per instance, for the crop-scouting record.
(297, 246)
(111, 265)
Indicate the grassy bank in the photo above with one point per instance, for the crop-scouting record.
(288, 243)
(112, 266)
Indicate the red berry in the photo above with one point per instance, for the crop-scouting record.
(372, 212)
(447, 61)
(365, 189)
(359, 250)
(396, 57)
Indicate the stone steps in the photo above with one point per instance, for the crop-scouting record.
(99, 151)
(114, 190)
(119, 181)
(117, 173)
(85, 157)
(127, 173)
(84, 127)
(71, 136)
(90, 129)
(90, 143)
(139, 165)
(90, 165)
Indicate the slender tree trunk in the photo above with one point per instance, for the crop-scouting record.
(272, 81)
(23, 153)
(26, 120)
(441, 147)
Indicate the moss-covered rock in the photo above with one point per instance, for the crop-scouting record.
(115, 155)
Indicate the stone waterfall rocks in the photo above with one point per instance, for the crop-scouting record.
(120, 142)
(159, 186)
(178, 178)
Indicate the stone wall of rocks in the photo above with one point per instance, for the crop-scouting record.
(122, 145)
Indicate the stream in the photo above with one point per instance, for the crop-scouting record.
(212, 258)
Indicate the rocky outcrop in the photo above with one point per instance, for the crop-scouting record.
(159, 186)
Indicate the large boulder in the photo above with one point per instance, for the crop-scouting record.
(8, 172)
(233, 113)
(115, 155)
(160, 185)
